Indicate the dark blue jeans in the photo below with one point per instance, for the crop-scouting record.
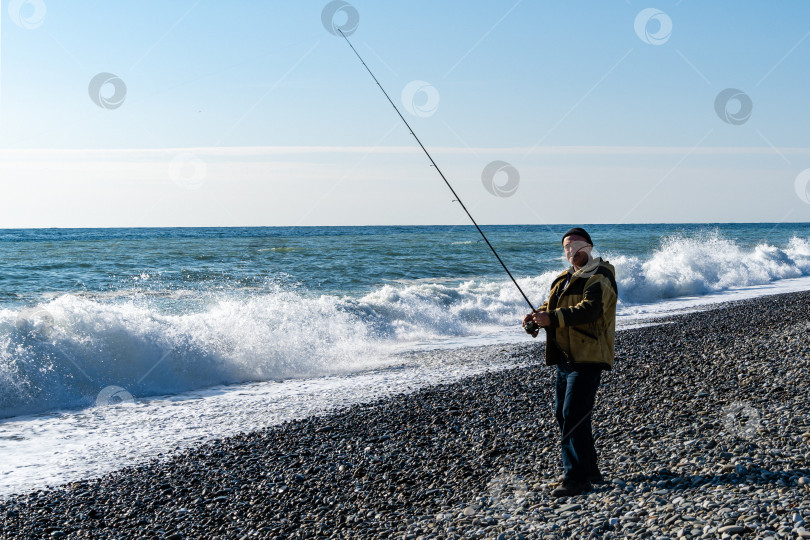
(576, 394)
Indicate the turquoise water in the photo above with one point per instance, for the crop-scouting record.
(328, 260)
(165, 311)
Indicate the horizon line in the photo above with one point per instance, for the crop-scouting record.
(416, 225)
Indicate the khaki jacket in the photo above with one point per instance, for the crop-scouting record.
(582, 305)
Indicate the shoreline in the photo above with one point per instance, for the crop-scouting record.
(476, 456)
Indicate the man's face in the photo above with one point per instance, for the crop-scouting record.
(573, 250)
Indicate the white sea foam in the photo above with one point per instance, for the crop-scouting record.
(686, 266)
(93, 344)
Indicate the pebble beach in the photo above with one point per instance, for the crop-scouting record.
(703, 431)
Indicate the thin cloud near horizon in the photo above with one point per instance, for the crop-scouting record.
(286, 150)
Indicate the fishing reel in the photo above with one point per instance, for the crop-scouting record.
(531, 327)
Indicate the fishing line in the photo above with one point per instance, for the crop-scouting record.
(439, 171)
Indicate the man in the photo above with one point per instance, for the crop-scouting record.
(580, 322)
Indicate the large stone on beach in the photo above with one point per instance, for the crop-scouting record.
(732, 529)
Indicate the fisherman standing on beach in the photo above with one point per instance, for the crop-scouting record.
(580, 322)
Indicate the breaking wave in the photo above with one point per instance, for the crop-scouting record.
(699, 265)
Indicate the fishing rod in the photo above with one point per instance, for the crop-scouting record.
(440, 172)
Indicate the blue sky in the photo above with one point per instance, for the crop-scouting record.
(252, 113)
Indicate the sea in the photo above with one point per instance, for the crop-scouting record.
(118, 346)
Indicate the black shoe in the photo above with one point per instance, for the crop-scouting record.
(569, 488)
